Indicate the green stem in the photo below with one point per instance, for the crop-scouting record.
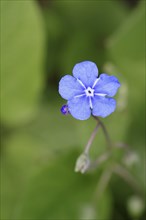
(102, 184)
(99, 123)
(109, 142)
(87, 148)
(99, 161)
(128, 177)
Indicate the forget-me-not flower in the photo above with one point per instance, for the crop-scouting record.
(86, 93)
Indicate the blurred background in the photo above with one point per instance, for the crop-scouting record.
(40, 42)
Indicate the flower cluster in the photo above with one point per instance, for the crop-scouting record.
(86, 93)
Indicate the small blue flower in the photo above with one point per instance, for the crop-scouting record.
(86, 94)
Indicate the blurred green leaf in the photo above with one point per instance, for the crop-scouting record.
(21, 158)
(27, 195)
(21, 57)
(54, 32)
(127, 43)
(126, 50)
(79, 47)
(59, 193)
(77, 31)
(54, 130)
(36, 161)
(30, 148)
(95, 17)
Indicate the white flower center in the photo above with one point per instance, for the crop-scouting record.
(89, 92)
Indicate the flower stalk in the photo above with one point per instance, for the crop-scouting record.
(127, 177)
(99, 124)
(89, 143)
(107, 137)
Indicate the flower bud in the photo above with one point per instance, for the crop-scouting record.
(135, 206)
(64, 110)
(131, 159)
(82, 163)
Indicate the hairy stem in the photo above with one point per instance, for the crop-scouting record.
(124, 174)
(103, 183)
(109, 143)
(86, 151)
(99, 123)
(99, 160)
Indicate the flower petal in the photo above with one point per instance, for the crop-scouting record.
(103, 106)
(79, 108)
(69, 87)
(107, 85)
(86, 71)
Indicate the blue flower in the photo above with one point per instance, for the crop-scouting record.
(87, 94)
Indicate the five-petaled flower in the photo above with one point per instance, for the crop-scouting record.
(86, 93)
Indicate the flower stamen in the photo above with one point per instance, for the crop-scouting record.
(89, 92)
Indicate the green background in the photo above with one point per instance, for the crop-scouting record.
(40, 42)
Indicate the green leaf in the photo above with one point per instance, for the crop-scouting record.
(126, 49)
(28, 149)
(127, 43)
(43, 187)
(96, 17)
(77, 31)
(22, 55)
(22, 157)
(38, 174)
(78, 48)
(58, 193)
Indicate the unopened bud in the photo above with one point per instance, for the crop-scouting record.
(135, 206)
(64, 110)
(131, 159)
(82, 163)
